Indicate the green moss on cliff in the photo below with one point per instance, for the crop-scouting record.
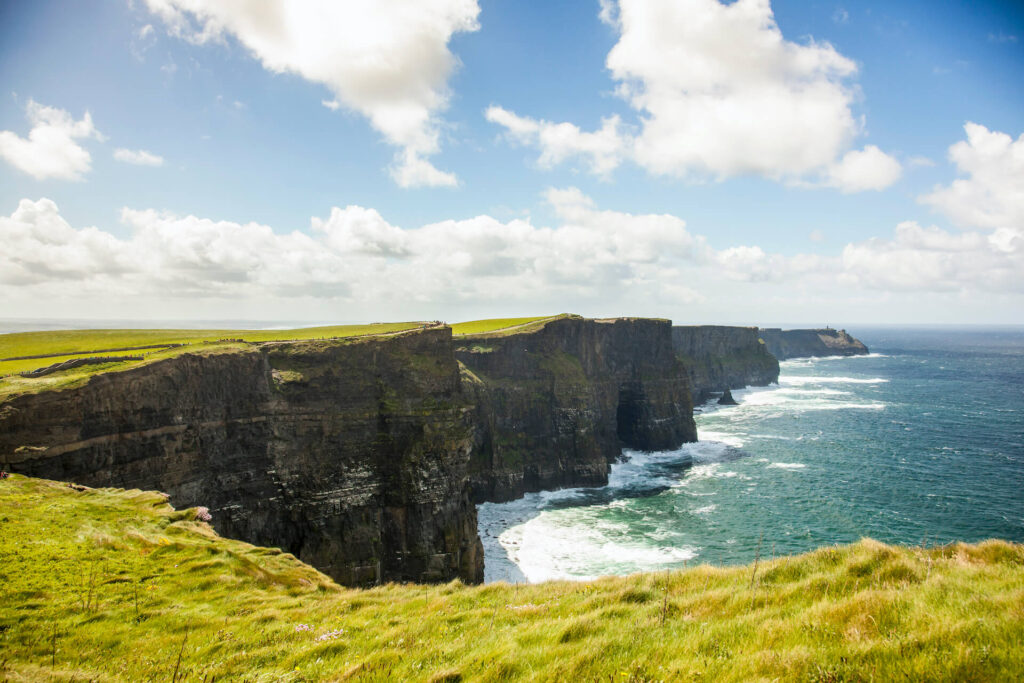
(114, 585)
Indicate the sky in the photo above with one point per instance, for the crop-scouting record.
(749, 162)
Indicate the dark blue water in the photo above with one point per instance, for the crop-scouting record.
(922, 441)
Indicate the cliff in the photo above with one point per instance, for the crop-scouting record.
(362, 456)
(785, 344)
(556, 405)
(351, 456)
(718, 357)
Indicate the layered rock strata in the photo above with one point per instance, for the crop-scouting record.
(352, 456)
(719, 357)
(785, 344)
(555, 406)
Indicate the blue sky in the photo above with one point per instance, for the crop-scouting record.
(742, 214)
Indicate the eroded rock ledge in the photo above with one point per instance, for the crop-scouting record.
(362, 457)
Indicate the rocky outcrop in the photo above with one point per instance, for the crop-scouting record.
(352, 456)
(555, 406)
(727, 399)
(784, 344)
(359, 456)
(718, 357)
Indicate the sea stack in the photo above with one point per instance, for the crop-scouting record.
(727, 399)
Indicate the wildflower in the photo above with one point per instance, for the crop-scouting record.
(330, 635)
(203, 514)
(303, 627)
(3, 475)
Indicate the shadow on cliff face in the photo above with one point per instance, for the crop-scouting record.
(630, 415)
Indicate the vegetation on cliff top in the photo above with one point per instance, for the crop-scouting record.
(102, 584)
(27, 351)
(31, 351)
(504, 326)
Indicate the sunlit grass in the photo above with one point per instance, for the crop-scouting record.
(502, 325)
(61, 345)
(111, 585)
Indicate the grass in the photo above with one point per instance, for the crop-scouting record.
(109, 585)
(504, 325)
(60, 345)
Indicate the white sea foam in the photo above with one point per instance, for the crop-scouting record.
(788, 465)
(800, 380)
(712, 444)
(561, 545)
(707, 509)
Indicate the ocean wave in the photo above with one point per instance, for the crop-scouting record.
(712, 444)
(788, 465)
(566, 546)
(811, 360)
(800, 380)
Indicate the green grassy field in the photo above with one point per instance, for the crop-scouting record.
(116, 586)
(51, 347)
(503, 325)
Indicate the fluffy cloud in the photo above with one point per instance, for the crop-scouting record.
(931, 259)
(988, 203)
(388, 59)
(51, 150)
(603, 149)
(721, 93)
(866, 169)
(992, 194)
(354, 254)
(139, 157)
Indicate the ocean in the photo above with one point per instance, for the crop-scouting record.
(920, 442)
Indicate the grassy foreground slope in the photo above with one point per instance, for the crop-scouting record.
(103, 584)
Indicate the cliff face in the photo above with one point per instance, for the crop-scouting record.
(785, 344)
(351, 456)
(358, 456)
(718, 357)
(555, 406)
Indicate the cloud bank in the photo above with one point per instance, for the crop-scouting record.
(387, 59)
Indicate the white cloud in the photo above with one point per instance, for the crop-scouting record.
(720, 93)
(388, 60)
(139, 157)
(603, 150)
(931, 259)
(866, 169)
(992, 195)
(354, 254)
(51, 150)
(590, 260)
(988, 203)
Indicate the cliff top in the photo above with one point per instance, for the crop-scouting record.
(505, 326)
(113, 350)
(104, 584)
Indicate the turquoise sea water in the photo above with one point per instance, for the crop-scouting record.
(920, 442)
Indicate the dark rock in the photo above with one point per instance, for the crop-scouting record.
(785, 344)
(717, 356)
(350, 455)
(555, 406)
(727, 399)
